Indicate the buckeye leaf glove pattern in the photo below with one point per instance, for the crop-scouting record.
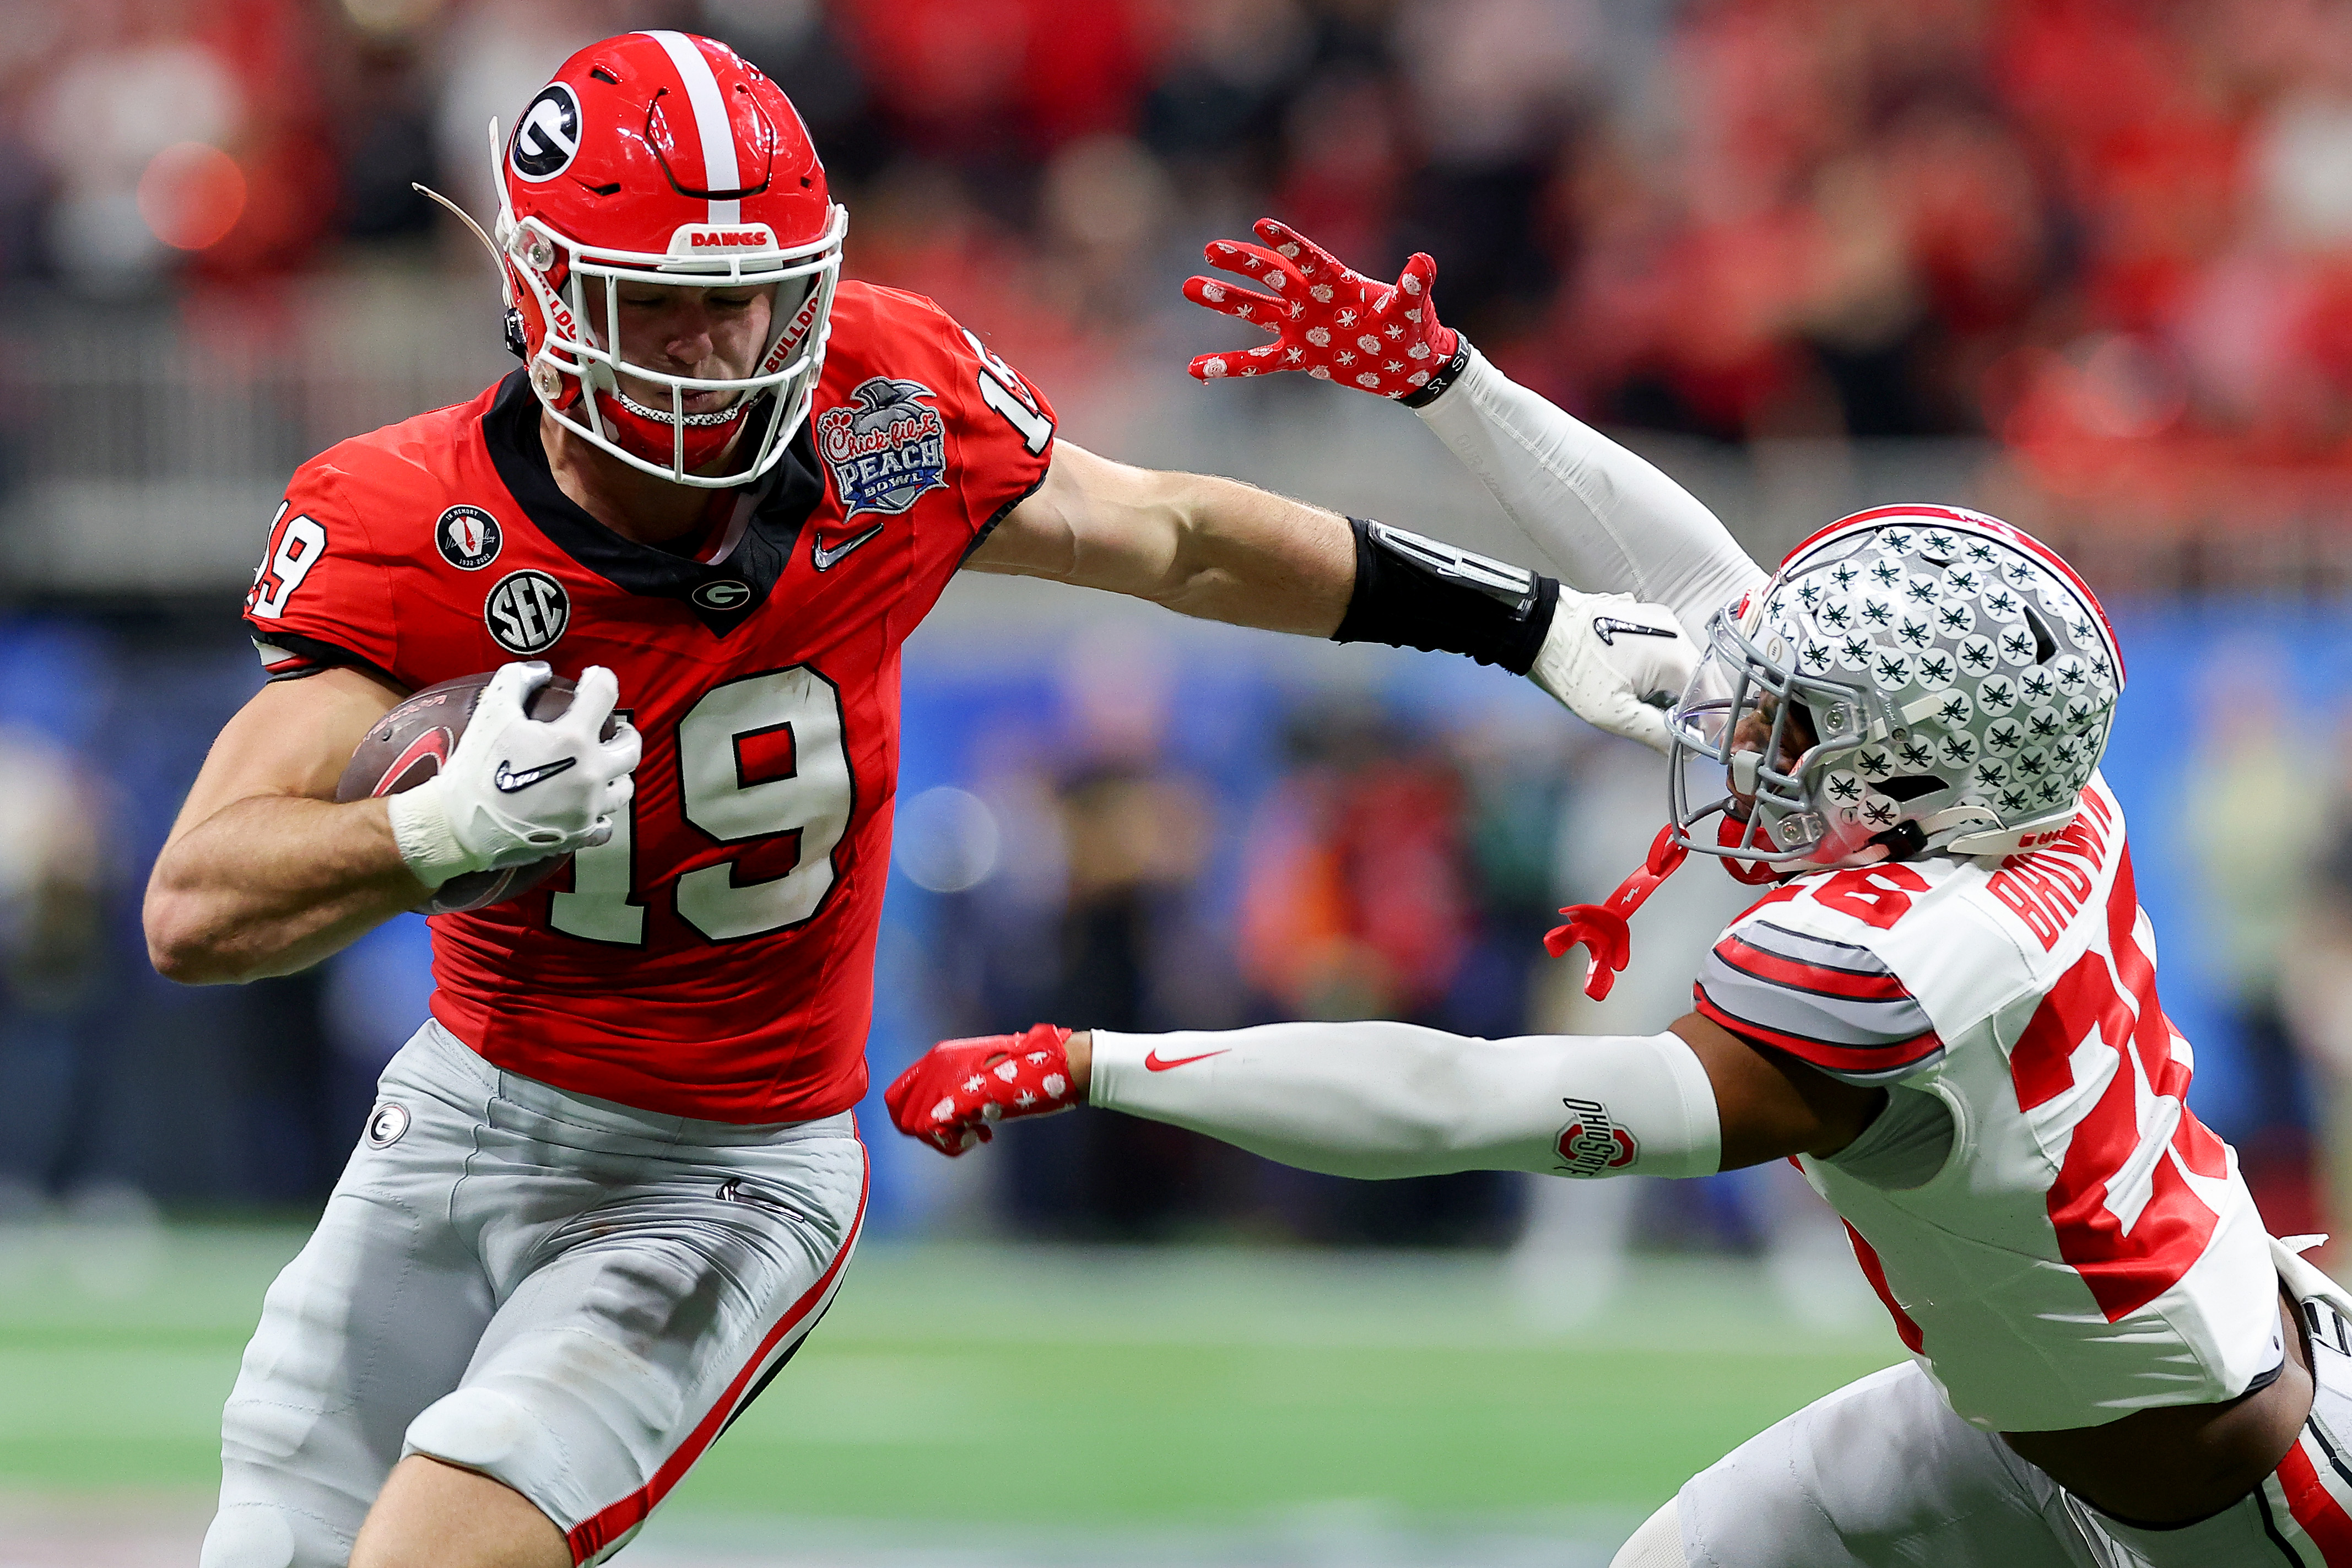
(958, 1089)
(1331, 321)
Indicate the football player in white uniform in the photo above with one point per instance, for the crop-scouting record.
(1944, 1008)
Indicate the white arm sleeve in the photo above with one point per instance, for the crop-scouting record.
(1611, 519)
(1392, 1100)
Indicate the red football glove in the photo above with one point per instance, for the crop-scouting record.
(1332, 324)
(959, 1089)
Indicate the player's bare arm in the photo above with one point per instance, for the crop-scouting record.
(1214, 548)
(263, 873)
(1225, 551)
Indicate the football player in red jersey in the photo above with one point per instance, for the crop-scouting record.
(1943, 1010)
(613, 1182)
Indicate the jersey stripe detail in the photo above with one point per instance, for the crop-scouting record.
(1818, 979)
(711, 126)
(289, 656)
(1834, 1004)
(1906, 1326)
(592, 1535)
(2316, 1524)
(1864, 1064)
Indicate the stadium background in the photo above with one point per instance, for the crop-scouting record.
(2084, 263)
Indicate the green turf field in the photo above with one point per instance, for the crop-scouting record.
(1169, 1389)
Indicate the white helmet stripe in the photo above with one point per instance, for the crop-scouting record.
(710, 122)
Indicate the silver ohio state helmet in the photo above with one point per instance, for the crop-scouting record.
(1914, 679)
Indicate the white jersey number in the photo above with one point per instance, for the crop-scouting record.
(1003, 391)
(295, 545)
(758, 758)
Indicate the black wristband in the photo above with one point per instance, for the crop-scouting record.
(1423, 396)
(1412, 592)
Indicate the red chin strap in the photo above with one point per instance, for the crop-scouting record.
(1754, 873)
(1602, 927)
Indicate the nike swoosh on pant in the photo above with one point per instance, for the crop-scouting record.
(824, 558)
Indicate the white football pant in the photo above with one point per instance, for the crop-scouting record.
(1881, 1474)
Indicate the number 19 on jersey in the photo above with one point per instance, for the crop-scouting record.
(758, 758)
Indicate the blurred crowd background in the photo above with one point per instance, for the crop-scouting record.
(2086, 263)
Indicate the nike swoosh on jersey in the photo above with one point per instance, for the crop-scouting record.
(1154, 1062)
(512, 782)
(1605, 627)
(824, 558)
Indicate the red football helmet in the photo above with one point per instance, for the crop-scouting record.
(658, 156)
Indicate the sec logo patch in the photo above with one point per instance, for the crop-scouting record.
(468, 537)
(527, 612)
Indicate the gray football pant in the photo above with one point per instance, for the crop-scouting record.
(568, 1295)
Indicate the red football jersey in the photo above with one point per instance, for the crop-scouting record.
(715, 959)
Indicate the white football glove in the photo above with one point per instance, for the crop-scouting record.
(519, 789)
(1616, 662)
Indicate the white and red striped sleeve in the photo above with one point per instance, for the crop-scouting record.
(1835, 1005)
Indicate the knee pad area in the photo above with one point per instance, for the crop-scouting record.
(1657, 1544)
(260, 1535)
(489, 1430)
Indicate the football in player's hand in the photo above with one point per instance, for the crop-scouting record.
(412, 743)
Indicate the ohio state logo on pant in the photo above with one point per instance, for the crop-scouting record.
(1593, 1143)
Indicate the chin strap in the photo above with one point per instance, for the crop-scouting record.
(1728, 832)
(1602, 927)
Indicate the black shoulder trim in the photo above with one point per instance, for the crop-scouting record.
(1002, 514)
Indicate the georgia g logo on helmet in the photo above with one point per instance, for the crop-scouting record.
(547, 137)
(660, 156)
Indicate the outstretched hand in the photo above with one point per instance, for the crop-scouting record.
(1617, 664)
(958, 1089)
(1331, 321)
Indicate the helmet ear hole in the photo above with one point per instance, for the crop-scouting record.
(2046, 637)
(1909, 787)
